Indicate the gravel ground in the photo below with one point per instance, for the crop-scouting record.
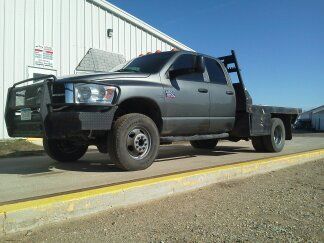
(282, 206)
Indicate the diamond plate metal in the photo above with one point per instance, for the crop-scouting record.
(99, 61)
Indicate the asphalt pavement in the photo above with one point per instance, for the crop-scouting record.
(38, 176)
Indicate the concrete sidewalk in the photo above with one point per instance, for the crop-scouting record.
(28, 177)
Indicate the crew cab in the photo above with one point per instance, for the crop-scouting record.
(151, 100)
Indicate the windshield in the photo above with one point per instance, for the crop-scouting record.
(151, 63)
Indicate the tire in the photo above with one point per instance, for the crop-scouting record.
(102, 149)
(258, 144)
(204, 144)
(276, 140)
(133, 142)
(64, 150)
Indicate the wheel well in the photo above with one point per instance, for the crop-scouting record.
(287, 121)
(143, 106)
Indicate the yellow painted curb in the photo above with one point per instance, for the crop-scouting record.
(246, 168)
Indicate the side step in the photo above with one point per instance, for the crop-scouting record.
(195, 137)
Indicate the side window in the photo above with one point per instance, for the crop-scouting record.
(187, 61)
(184, 61)
(215, 72)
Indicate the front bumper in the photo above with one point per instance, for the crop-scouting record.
(51, 119)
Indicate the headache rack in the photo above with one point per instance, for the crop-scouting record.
(232, 66)
(243, 98)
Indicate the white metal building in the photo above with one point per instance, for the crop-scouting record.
(52, 36)
(318, 120)
(315, 117)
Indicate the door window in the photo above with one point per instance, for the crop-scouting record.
(188, 61)
(215, 72)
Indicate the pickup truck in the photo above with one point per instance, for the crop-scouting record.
(151, 100)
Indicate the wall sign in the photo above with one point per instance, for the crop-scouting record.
(43, 56)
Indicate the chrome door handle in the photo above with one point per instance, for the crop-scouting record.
(229, 92)
(202, 90)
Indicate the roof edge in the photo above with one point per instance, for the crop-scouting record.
(139, 23)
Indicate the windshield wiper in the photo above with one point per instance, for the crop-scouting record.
(128, 70)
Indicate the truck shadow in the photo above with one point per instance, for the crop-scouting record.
(167, 153)
(95, 162)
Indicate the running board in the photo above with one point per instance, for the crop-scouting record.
(195, 137)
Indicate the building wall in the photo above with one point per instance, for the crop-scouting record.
(305, 116)
(318, 121)
(70, 28)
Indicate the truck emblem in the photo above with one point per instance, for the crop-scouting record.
(169, 94)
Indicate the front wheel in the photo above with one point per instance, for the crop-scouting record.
(64, 150)
(134, 142)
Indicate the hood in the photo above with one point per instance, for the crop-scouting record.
(104, 76)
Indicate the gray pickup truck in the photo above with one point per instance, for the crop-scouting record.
(151, 100)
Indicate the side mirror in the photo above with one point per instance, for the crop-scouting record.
(200, 64)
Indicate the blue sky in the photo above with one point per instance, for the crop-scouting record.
(279, 43)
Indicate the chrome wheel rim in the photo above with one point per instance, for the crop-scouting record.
(277, 136)
(138, 143)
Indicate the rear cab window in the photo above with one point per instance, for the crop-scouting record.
(215, 71)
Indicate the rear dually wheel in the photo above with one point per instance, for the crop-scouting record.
(275, 141)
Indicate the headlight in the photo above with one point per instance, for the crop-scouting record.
(83, 93)
(94, 93)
